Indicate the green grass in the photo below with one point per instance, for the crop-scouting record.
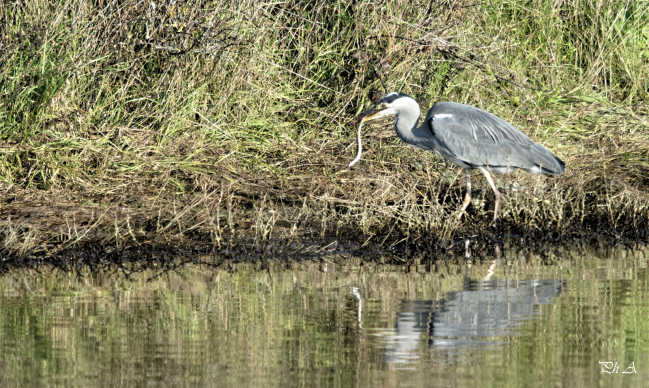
(144, 107)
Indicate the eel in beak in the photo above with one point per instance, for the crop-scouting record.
(374, 112)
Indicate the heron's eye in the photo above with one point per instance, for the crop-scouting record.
(382, 105)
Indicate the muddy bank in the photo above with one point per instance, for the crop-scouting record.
(154, 262)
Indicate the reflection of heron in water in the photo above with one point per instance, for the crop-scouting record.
(357, 295)
(486, 309)
(466, 318)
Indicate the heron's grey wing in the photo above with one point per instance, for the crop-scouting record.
(471, 137)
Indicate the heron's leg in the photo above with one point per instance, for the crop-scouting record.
(467, 196)
(495, 190)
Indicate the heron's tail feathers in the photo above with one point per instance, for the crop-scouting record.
(546, 162)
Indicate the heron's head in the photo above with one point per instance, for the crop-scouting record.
(394, 103)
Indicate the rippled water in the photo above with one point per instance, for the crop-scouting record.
(509, 322)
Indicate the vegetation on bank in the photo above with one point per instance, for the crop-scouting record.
(136, 122)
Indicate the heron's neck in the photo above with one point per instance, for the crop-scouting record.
(406, 128)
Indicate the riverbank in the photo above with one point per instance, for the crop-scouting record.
(226, 125)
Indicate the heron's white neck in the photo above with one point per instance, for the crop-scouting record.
(406, 125)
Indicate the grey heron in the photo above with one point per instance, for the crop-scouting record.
(466, 136)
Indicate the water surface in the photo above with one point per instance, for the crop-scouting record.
(515, 321)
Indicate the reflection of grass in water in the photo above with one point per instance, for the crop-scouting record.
(142, 116)
(272, 325)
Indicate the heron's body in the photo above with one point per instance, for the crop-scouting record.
(468, 137)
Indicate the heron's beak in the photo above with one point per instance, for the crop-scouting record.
(373, 113)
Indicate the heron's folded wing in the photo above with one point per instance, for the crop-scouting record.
(480, 139)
